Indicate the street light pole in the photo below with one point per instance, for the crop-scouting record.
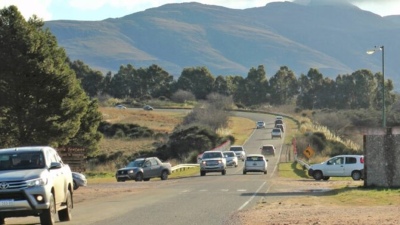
(382, 48)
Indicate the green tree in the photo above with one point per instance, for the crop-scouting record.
(197, 80)
(91, 80)
(125, 83)
(88, 135)
(221, 86)
(309, 86)
(283, 86)
(256, 86)
(42, 102)
(155, 81)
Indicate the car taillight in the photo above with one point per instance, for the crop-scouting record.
(362, 160)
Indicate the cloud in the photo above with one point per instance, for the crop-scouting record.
(35, 7)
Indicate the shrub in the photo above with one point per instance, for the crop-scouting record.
(119, 130)
(182, 96)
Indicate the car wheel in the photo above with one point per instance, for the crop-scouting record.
(2, 220)
(356, 175)
(223, 172)
(326, 178)
(65, 214)
(164, 175)
(75, 185)
(202, 173)
(146, 179)
(139, 177)
(48, 216)
(265, 172)
(317, 175)
(244, 172)
(236, 165)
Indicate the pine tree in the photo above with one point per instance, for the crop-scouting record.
(42, 102)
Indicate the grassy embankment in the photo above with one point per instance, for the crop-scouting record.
(159, 121)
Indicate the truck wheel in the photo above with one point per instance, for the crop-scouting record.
(139, 177)
(317, 175)
(164, 175)
(48, 216)
(65, 214)
(356, 175)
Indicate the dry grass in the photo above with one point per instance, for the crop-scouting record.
(240, 128)
(159, 121)
(111, 145)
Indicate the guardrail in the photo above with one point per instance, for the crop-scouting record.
(304, 164)
(182, 167)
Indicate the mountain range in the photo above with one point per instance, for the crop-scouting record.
(333, 38)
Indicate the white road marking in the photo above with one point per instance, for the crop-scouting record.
(252, 197)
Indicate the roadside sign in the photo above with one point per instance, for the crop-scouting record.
(309, 152)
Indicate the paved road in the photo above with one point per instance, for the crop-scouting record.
(196, 200)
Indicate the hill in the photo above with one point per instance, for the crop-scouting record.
(331, 37)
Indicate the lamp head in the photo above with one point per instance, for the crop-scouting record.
(370, 52)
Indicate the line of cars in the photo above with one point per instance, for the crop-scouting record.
(217, 161)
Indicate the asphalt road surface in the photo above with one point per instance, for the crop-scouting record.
(197, 200)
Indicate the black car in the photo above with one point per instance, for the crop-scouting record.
(281, 127)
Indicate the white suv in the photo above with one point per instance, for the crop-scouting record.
(339, 166)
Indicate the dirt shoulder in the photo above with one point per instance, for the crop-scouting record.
(309, 202)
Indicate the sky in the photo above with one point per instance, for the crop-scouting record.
(94, 10)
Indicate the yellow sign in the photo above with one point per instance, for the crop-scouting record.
(309, 152)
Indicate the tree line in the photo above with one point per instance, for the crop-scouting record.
(359, 90)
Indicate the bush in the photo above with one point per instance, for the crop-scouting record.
(119, 130)
(182, 96)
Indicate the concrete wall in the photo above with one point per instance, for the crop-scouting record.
(382, 158)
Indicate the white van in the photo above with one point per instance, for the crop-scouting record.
(339, 166)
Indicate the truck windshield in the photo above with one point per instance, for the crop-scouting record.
(136, 163)
(21, 160)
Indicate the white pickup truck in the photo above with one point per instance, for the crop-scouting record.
(35, 182)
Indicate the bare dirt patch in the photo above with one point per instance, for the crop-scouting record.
(308, 202)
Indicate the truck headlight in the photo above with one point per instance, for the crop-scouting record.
(36, 182)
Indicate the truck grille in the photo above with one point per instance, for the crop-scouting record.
(10, 185)
(122, 172)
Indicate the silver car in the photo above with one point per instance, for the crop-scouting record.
(79, 180)
(260, 124)
(212, 161)
(255, 163)
(239, 151)
(231, 158)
